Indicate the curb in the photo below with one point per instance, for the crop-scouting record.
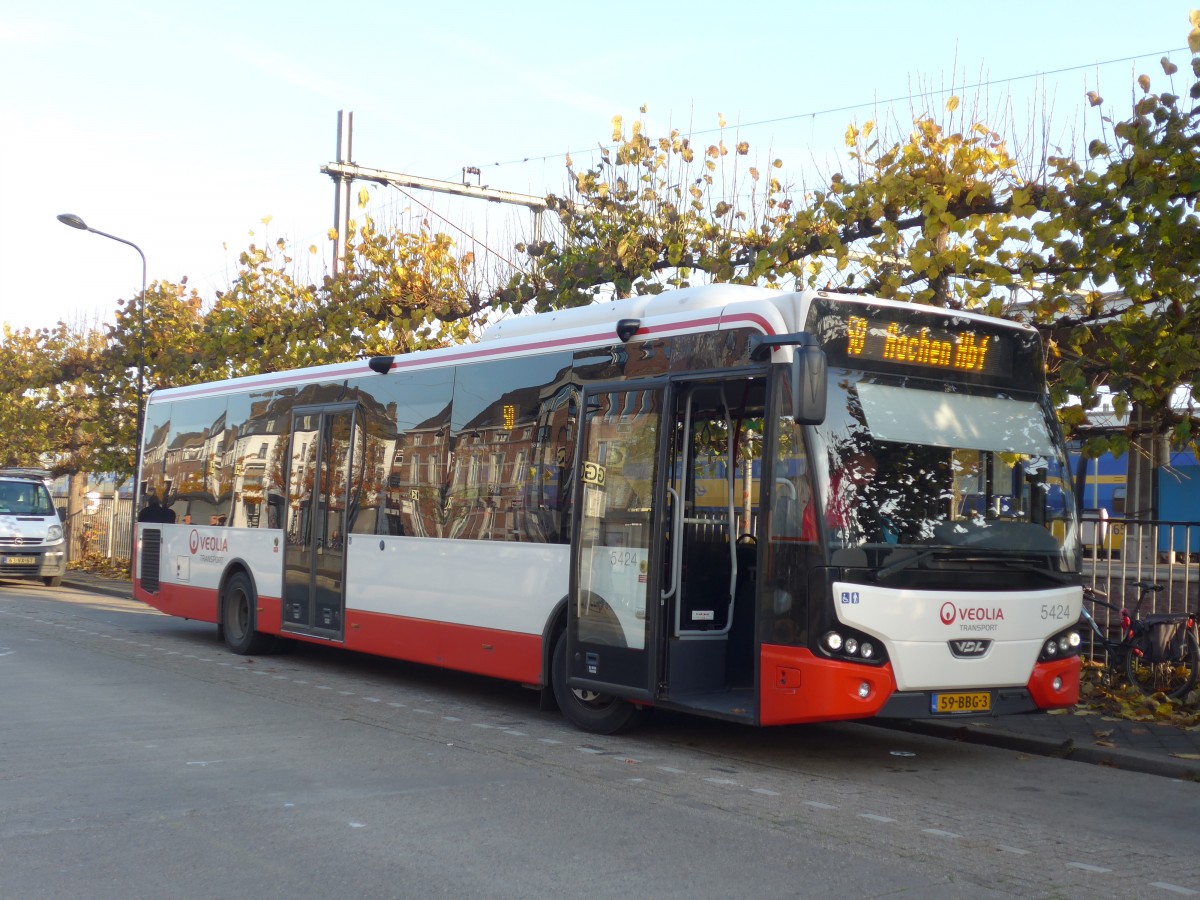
(1109, 757)
(114, 589)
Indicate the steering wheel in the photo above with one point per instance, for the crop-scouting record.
(747, 539)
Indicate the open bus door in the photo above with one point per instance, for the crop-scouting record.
(662, 575)
(612, 615)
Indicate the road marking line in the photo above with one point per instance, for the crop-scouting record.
(720, 781)
(765, 792)
(816, 805)
(1088, 867)
(515, 733)
(937, 832)
(672, 770)
(1174, 888)
(549, 741)
(875, 818)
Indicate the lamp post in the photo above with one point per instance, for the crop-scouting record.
(76, 222)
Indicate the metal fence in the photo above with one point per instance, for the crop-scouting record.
(103, 526)
(1118, 553)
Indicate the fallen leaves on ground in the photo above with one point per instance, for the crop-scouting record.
(1102, 693)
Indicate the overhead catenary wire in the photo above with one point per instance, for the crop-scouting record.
(868, 103)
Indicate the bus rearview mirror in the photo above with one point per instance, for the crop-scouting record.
(810, 377)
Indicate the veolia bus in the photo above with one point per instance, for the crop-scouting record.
(763, 506)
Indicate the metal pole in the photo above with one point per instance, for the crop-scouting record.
(76, 222)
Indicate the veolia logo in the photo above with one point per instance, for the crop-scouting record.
(950, 613)
(196, 543)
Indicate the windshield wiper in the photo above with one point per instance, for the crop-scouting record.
(1060, 577)
(902, 564)
(909, 561)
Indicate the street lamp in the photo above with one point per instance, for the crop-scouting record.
(76, 222)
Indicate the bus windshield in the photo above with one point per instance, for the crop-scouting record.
(944, 473)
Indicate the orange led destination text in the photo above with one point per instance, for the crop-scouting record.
(965, 352)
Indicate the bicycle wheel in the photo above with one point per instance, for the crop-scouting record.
(1163, 658)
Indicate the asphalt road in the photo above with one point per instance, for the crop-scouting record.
(139, 759)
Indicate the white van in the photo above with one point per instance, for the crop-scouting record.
(31, 534)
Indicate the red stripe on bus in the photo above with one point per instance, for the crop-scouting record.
(796, 686)
(480, 651)
(183, 600)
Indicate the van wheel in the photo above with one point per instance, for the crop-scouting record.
(238, 604)
(589, 710)
(52, 580)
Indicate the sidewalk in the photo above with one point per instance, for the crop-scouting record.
(98, 584)
(1081, 735)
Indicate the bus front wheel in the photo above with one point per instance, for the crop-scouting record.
(589, 710)
(238, 617)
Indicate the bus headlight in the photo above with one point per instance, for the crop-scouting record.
(848, 645)
(1065, 643)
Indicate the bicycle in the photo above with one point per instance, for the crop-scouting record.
(1156, 654)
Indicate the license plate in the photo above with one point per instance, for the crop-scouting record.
(20, 560)
(980, 701)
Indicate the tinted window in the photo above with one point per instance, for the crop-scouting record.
(505, 419)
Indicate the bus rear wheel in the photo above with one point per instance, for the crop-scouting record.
(589, 710)
(238, 603)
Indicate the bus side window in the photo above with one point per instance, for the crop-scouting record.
(791, 549)
(792, 515)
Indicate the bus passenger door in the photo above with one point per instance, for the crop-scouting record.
(711, 543)
(320, 475)
(614, 601)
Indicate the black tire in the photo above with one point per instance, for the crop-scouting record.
(1173, 675)
(238, 602)
(597, 713)
(52, 580)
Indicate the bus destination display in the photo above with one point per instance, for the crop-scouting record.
(910, 344)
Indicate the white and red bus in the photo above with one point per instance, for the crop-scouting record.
(763, 506)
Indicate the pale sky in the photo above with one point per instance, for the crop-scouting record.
(180, 126)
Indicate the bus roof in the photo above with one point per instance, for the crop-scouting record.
(705, 308)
